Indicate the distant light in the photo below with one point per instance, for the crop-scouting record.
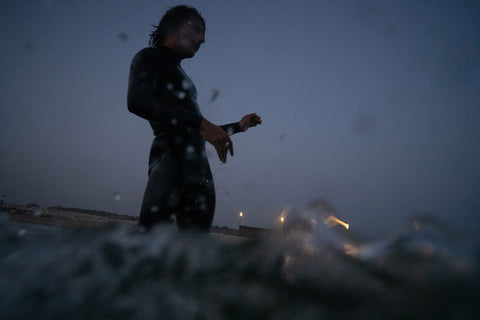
(332, 220)
(241, 214)
(282, 219)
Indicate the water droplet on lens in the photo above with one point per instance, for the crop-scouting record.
(38, 212)
(117, 196)
(174, 121)
(21, 232)
(169, 86)
(186, 84)
(154, 209)
(181, 95)
(214, 94)
(123, 36)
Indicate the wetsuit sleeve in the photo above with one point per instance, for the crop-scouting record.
(150, 97)
(231, 128)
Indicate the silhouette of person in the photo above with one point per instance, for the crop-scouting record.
(180, 180)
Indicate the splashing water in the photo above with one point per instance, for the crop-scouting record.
(180, 94)
(302, 270)
(214, 94)
(117, 196)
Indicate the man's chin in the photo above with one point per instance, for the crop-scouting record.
(191, 55)
(188, 54)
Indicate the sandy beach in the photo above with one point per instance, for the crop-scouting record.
(73, 218)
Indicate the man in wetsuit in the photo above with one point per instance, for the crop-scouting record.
(180, 180)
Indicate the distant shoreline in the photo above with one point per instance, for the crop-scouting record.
(66, 217)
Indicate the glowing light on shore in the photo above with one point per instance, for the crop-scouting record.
(240, 215)
(284, 214)
(332, 220)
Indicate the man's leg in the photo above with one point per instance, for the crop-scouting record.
(161, 195)
(197, 206)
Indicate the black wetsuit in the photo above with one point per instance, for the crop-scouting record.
(180, 180)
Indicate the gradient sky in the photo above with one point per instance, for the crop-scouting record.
(372, 106)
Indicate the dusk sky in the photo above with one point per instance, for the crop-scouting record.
(372, 106)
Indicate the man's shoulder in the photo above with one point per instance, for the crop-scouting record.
(149, 56)
(149, 51)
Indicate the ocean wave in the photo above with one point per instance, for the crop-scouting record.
(305, 269)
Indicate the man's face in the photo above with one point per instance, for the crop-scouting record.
(189, 37)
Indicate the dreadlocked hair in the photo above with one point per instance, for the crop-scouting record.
(173, 19)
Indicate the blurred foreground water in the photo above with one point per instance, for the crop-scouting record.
(303, 270)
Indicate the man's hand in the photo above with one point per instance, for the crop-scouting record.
(218, 138)
(249, 120)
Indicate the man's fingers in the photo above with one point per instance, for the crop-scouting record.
(256, 120)
(218, 138)
(223, 148)
(222, 155)
(229, 146)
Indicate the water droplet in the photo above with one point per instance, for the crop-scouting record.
(214, 94)
(173, 199)
(190, 149)
(154, 209)
(169, 86)
(174, 121)
(38, 212)
(364, 124)
(186, 84)
(181, 95)
(21, 232)
(177, 140)
(117, 196)
(123, 36)
(28, 47)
